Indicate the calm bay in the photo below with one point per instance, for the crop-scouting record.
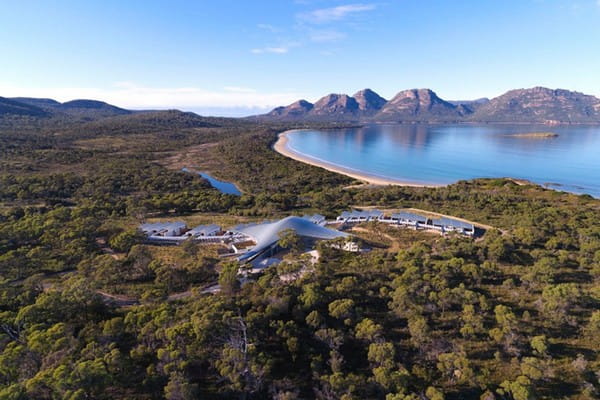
(560, 157)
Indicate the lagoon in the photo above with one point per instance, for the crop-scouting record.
(564, 158)
(222, 186)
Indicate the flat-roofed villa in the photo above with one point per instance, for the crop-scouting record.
(358, 216)
(407, 218)
(204, 231)
(453, 225)
(164, 229)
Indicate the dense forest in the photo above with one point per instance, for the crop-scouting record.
(90, 311)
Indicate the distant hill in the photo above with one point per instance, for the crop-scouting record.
(476, 102)
(41, 103)
(535, 105)
(145, 122)
(470, 106)
(10, 107)
(92, 108)
(85, 109)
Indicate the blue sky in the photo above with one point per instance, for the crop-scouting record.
(240, 57)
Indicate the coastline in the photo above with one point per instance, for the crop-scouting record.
(281, 147)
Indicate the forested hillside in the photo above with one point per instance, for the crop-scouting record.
(89, 311)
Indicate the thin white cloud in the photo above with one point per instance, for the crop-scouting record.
(326, 35)
(327, 15)
(314, 26)
(133, 96)
(273, 50)
(269, 27)
(239, 89)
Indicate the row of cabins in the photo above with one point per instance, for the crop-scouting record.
(177, 231)
(442, 224)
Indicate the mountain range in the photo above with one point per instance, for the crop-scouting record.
(535, 105)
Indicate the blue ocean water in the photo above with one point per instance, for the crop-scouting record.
(443, 154)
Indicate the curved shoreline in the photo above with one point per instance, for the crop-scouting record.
(281, 146)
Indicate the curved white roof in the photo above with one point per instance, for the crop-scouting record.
(267, 234)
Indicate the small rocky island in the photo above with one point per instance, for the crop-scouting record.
(534, 135)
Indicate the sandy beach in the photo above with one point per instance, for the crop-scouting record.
(281, 146)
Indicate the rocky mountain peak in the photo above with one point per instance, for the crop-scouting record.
(335, 103)
(368, 100)
(296, 109)
(540, 104)
(419, 102)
